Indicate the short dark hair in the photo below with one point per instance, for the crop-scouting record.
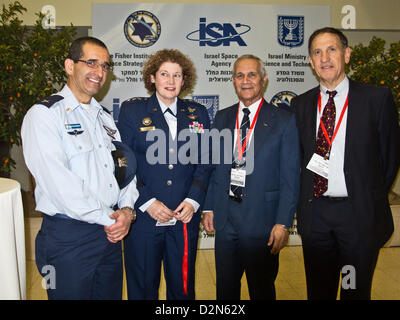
(331, 30)
(75, 51)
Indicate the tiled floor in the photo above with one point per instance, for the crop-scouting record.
(290, 283)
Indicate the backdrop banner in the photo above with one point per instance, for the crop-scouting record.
(213, 36)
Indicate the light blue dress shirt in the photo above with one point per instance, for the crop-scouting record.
(68, 151)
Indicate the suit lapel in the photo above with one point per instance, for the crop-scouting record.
(353, 109)
(310, 121)
(154, 109)
(181, 116)
(230, 122)
(265, 121)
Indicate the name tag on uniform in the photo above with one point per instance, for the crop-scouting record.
(143, 129)
(238, 177)
(319, 165)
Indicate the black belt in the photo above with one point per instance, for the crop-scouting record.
(335, 199)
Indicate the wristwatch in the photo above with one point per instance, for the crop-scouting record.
(131, 212)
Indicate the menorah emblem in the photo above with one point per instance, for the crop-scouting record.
(291, 31)
(211, 102)
(291, 24)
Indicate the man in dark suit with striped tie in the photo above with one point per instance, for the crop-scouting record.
(350, 142)
(252, 197)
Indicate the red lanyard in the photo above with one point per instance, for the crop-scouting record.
(338, 124)
(241, 148)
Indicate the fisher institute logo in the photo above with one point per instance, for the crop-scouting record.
(291, 31)
(142, 29)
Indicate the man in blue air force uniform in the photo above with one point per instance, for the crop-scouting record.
(68, 144)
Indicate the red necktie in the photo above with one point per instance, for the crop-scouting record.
(322, 145)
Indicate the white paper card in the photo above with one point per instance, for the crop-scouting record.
(319, 165)
(238, 177)
(171, 222)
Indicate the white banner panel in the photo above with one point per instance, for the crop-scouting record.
(213, 36)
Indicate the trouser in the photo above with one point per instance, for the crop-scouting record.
(236, 253)
(77, 261)
(144, 250)
(334, 246)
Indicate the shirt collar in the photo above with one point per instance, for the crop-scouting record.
(341, 88)
(164, 107)
(253, 107)
(71, 102)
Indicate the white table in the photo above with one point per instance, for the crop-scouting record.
(12, 242)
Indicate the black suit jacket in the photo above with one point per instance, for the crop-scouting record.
(372, 157)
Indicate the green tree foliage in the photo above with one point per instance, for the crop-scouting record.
(31, 68)
(378, 65)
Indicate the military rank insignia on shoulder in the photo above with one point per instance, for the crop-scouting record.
(137, 99)
(51, 100)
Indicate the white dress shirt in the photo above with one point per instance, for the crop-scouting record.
(336, 179)
(253, 110)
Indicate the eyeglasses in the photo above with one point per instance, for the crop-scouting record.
(94, 64)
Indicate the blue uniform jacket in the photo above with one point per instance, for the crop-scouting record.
(168, 170)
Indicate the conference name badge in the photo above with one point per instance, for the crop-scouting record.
(238, 177)
(196, 127)
(319, 165)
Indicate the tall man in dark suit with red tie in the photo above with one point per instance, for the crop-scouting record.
(350, 141)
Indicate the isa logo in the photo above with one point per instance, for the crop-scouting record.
(210, 102)
(215, 34)
(282, 99)
(291, 31)
(142, 29)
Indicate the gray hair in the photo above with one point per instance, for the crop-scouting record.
(253, 57)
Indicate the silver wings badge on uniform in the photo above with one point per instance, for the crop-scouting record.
(73, 128)
(110, 131)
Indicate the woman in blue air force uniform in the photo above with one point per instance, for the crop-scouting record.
(172, 182)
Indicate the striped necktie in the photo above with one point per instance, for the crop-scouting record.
(244, 127)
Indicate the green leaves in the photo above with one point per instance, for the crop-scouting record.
(378, 65)
(31, 67)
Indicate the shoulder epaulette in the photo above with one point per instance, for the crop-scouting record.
(137, 99)
(49, 101)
